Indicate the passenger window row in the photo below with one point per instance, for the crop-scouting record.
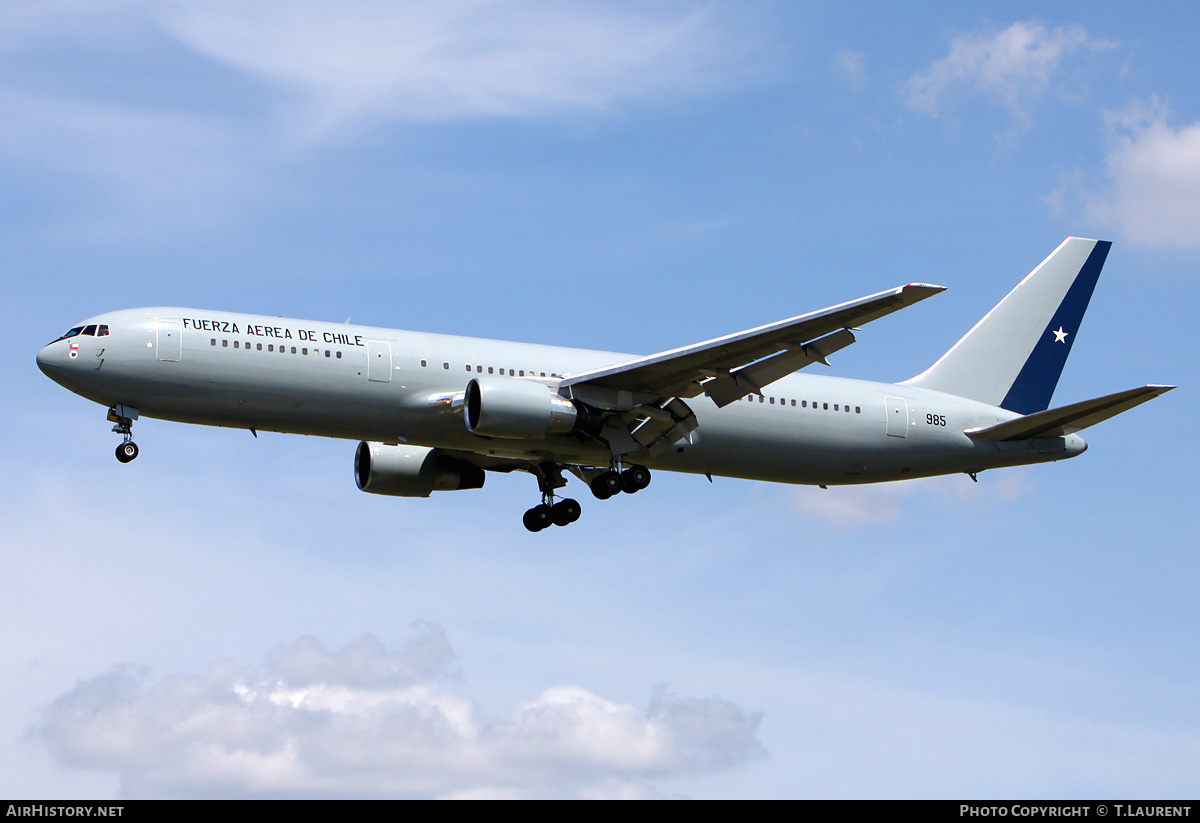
(782, 401)
(804, 404)
(494, 370)
(237, 344)
(102, 331)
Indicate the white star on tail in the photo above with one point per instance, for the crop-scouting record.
(1060, 336)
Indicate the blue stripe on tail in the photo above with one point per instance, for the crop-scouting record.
(1034, 386)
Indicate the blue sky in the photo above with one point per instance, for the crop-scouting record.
(231, 617)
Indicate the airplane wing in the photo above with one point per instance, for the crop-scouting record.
(730, 367)
(1069, 419)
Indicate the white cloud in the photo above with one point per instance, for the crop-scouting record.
(366, 61)
(881, 737)
(368, 722)
(194, 140)
(169, 168)
(850, 507)
(1011, 68)
(850, 65)
(1154, 173)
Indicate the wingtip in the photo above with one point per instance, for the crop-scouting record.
(929, 287)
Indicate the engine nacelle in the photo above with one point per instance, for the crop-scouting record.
(523, 409)
(411, 471)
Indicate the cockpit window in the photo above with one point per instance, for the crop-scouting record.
(71, 333)
(103, 331)
(90, 331)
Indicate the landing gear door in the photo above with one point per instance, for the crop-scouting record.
(170, 339)
(379, 361)
(897, 416)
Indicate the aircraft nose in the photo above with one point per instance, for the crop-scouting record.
(47, 361)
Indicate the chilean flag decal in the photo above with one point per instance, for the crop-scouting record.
(73, 350)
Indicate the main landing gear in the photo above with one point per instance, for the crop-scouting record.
(549, 513)
(611, 482)
(124, 427)
(604, 485)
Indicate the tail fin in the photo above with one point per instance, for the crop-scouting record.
(1015, 355)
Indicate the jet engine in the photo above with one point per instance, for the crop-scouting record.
(411, 471)
(523, 409)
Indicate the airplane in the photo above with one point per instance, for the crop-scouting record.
(437, 412)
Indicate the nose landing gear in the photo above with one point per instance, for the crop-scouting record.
(127, 451)
(123, 417)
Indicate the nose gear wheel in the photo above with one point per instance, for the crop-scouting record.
(128, 450)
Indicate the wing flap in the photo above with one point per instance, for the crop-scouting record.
(726, 387)
(1069, 419)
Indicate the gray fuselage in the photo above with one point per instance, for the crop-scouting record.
(384, 385)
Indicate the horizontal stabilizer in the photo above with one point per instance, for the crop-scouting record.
(1069, 419)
